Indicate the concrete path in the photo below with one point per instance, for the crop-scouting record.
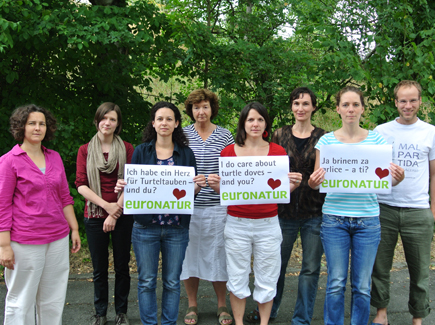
(79, 307)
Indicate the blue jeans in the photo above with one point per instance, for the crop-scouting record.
(312, 251)
(360, 236)
(148, 242)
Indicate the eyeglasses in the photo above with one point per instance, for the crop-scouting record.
(404, 102)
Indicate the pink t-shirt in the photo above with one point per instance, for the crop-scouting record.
(31, 202)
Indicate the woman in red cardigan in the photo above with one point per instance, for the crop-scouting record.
(100, 163)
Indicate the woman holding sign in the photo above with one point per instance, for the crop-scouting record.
(303, 215)
(253, 228)
(100, 163)
(36, 215)
(205, 254)
(164, 143)
(350, 220)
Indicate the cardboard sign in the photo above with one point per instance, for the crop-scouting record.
(153, 189)
(254, 180)
(356, 169)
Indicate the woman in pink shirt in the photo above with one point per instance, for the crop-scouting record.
(36, 215)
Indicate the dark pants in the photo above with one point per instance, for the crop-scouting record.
(415, 227)
(98, 242)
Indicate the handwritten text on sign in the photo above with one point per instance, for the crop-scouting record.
(356, 169)
(154, 189)
(254, 180)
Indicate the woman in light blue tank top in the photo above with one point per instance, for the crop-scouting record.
(350, 220)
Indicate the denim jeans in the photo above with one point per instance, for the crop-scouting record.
(98, 242)
(312, 251)
(360, 236)
(148, 242)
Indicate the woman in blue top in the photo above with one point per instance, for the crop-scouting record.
(350, 220)
(164, 143)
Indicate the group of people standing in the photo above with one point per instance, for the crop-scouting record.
(216, 243)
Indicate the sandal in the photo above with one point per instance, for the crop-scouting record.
(221, 317)
(191, 309)
(253, 317)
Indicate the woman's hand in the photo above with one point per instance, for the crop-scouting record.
(109, 224)
(120, 184)
(295, 180)
(214, 181)
(76, 241)
(200, 180)
(397, 173)
(113, 209)
(7, 257)
(316, 178)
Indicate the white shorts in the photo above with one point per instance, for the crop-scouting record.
(261, 237)
(205, 254)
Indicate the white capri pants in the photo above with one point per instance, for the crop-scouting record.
(40, 279)
(261, 237)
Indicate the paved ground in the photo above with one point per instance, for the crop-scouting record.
(79, 308)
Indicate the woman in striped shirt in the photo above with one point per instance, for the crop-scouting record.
(350, 220)
(205, 254)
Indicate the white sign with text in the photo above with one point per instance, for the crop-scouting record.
(153, 189)
(254, 180)
(356, 168)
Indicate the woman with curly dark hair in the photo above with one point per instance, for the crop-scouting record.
(164, 143)
(36, 215)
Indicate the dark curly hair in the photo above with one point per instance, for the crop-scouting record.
(105, 108)
(200, 95)
(241, 133)
(178, 136)
(19, 118)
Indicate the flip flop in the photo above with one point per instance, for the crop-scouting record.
(193, 316)
(221, 317)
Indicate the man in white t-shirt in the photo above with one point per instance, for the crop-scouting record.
(406, 211)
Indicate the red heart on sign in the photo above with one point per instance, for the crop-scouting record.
(179, 194)
(274, 183)
(382, 172)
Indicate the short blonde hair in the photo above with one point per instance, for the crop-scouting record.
(407, 84)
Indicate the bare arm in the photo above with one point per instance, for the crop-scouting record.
(7, 257)
(214, 181)
(199, 183)
(112, 209)
(70, 217)
(432, 185)
(295, 180)
(318, 176)
(397, 173)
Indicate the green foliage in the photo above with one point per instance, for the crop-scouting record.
(239, 49)
(70, 57)
(236, 49)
